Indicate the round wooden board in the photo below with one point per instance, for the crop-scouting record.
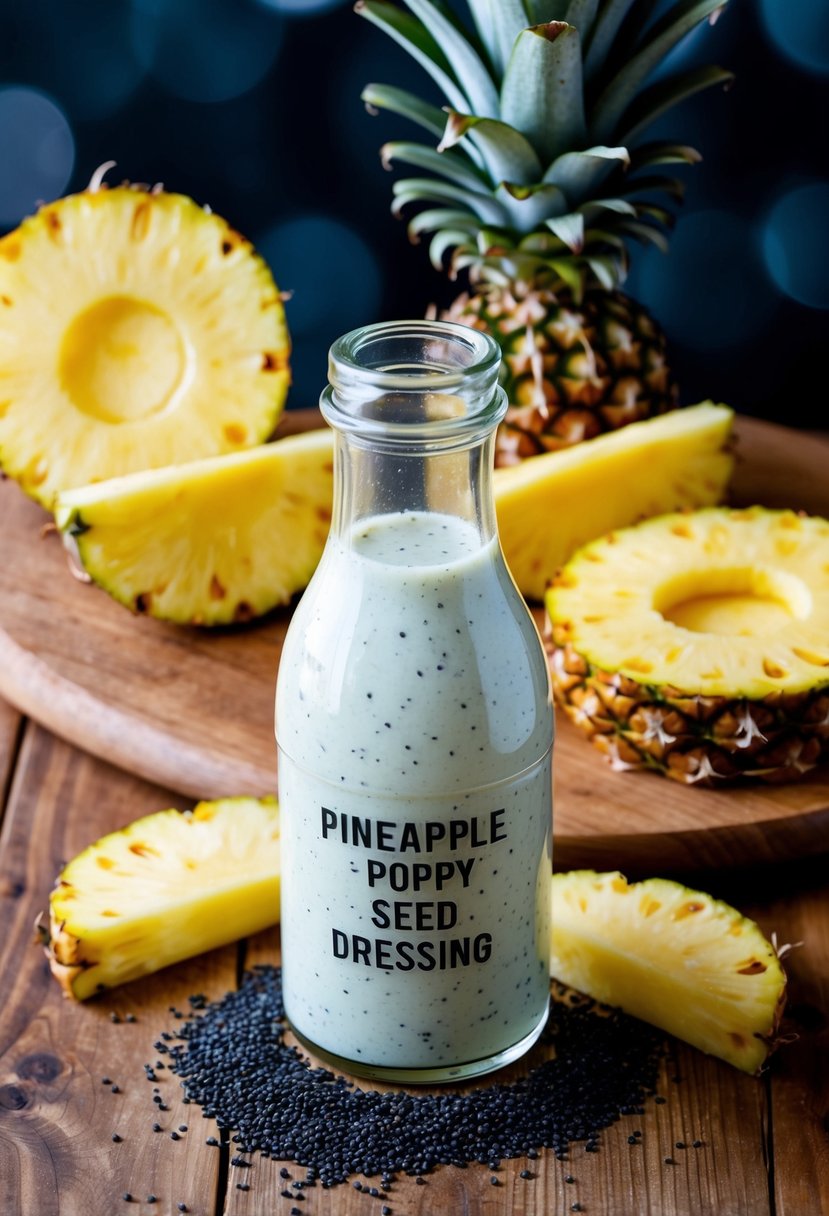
(193, 710)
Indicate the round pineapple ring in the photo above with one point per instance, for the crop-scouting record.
(137, 330)
(698, 644)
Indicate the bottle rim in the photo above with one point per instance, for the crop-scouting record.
(452, 368)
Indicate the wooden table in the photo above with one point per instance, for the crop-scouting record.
(765, 1142)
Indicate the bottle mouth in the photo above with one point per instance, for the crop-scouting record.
(414, 381)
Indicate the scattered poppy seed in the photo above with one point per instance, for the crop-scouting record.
(632, 1140)
(670, 1161)
(116, 1139)
(130, 1018)
(106, 1080)
(182, 1207)
(114, 1089)
(113, 1017)
(182, 1127)
(296, 1212)
(242, 1186)
(660, 1101)
(697, 1144)
(151, 1199)
(127, 1197)
(680, 1144)
(234, 1063)
(575, 1207)
(525, 1174)
(287, 1194)
(283, 1173)
(493, 1180)
(569, 1178)
(156, 1127)
(385, 1210)
(175, 1136)
(212, 1141)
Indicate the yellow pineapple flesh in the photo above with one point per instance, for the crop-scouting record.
(679, 959)
(697, 644)
(137, 329)
(211, 542)
(166, 887)
(550, 505)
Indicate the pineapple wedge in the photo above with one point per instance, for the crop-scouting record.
(211, 542)
(677, 958)
(137, 330)
(548, 506)
(164, 888)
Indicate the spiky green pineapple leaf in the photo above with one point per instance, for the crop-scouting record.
(666, 94)
(431, 189)
(656, 183)
(628, 81)
(498, 22)
(465, 62)
(541, 94)
(579, 174)
(410, 33)
(529, 206)
(580, 13)
(661, 152)
(400, 101)
(507, 154)
(602, 35)
(568, 228)
(454, 166)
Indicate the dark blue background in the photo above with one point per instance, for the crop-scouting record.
(253, 106)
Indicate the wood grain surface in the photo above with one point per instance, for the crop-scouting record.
(193, 709)
(764, 1148)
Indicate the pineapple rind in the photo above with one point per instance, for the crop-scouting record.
(699, 706)
(550, 505)
(164, 888)
(210, 542)
(677, 958)
(168, 255)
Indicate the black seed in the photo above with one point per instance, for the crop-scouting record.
(283, 1173)
(697, 1144)
(116, 1139)
(525, 1174)
(156, 1127)
(680, 1144)
(127, 1197)
(385, 1210)
(115, 1089)
(670, 1161)
(242, 1186)
(632, 1140)
(182, 1127)
(113, 1017)
(660, 1101)
(130, 1018)
(151, 1199)
(182, 1207)
(493, 1180)
(569, 1178)
(575, 1207)
(235, 1064)
(106, 1080)
(175, 1136)
(212, 1141)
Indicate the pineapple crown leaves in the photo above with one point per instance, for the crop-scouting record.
(539, 170)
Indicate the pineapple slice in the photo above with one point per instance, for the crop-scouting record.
(164, 888)
(136, 330)
(687, 963)
(549, 505)
(210, 542)
(698, 644)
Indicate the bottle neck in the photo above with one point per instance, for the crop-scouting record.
(371, 482)
(414, 405)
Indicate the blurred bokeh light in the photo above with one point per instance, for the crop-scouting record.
(796, 244)
(800, 29)
(37, 152)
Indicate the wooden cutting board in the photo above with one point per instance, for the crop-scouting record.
(193, 710)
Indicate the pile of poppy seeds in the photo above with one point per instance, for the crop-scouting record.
(235, 1064)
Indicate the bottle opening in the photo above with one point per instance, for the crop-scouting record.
(414, 380)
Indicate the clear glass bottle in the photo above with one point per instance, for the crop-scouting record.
(415, 730)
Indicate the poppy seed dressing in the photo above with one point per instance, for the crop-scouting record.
(414, 725)
(420, 859)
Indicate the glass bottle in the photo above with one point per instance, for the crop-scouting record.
(414, 727)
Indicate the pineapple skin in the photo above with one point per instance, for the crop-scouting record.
(768, 722)
(172, 905)
(571, 371)
(687, 963)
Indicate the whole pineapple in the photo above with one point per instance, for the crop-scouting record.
(538, 182)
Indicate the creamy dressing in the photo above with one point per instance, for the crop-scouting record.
(414, 728)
